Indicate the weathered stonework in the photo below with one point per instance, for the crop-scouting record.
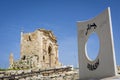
(38, 49)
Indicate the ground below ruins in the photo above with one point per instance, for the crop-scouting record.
(62, 73)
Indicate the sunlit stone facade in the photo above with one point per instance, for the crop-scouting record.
(38, 49)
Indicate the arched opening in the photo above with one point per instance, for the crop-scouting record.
(49, 49)
(49, 53)
(29, 38)
(43, 58)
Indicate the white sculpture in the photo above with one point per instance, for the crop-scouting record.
(105, 64)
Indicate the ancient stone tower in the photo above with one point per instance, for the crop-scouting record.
(38, 49)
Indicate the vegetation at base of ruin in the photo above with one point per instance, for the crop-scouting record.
(3, 69)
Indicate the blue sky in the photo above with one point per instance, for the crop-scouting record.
(60, 16)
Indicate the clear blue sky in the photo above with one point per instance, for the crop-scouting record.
(60, 16)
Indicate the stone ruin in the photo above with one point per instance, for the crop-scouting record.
(39, 49)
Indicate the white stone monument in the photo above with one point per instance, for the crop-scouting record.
(105, 64)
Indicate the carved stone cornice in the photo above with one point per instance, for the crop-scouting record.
(49, 34)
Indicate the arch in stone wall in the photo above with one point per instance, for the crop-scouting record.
(50, 54)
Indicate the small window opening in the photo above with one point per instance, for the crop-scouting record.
(24, 57)
(43, 58)
(30, 38)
